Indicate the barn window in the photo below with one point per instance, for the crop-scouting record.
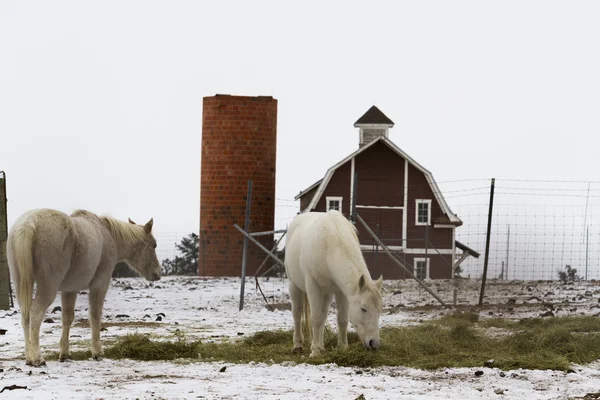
(421, 270)
(423, 214)
(334, 203)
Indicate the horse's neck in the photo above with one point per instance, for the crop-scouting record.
(123, 249)
(347, 278)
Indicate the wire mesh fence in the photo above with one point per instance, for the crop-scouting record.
(539, 227)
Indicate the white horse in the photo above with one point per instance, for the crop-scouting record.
(323, 258)
(66, 253)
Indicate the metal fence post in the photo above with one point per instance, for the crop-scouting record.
(245, 253)
(487, 243)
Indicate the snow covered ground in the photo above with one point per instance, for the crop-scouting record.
(208, 309)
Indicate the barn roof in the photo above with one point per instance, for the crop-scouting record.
(308, 189)
(374, 116)
(322, 185)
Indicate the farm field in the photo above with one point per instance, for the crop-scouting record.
(207, 310)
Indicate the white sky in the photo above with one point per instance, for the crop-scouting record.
(101, 103)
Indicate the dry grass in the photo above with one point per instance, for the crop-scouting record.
(457, 340)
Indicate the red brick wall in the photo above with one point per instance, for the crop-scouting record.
(239, 139)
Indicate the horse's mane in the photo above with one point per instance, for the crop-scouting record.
(129, 234)
(347, 234)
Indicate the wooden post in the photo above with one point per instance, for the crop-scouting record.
(5, 288)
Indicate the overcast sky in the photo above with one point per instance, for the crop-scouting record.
(101, 103)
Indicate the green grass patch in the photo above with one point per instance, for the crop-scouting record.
(455, 340)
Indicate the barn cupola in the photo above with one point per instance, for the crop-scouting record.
(372, 125)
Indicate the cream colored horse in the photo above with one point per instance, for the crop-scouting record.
(66, 253)
(323, 259)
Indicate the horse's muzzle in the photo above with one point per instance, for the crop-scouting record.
(154, 276)
(373, 344)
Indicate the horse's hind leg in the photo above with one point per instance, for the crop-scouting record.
(25, 315)
(97, 294)
(43, 299)
(68, 314)
(297, 297)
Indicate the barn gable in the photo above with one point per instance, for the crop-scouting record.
(397, 198)
(446, 216)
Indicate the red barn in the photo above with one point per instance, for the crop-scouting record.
(399, 200)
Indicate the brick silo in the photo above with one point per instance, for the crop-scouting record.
(239, 142)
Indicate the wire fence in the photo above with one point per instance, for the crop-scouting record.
(538, 227)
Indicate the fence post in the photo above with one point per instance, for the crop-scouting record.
(487, 243)
(507, 249)
(6, 300)
(353, 205)
(245, 253)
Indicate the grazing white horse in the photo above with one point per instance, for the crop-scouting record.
(66, 253)
(323, 259)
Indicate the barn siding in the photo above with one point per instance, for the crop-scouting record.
(440, 266)
(418, 188)
(381, 183)
(339, 185)
(387, 224)
(380, 177)
(307, 197)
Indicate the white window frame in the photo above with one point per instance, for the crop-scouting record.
(422, 201)
(421, 259)
(328, 199)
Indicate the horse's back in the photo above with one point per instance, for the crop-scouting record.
(315, 238)
(49, 229)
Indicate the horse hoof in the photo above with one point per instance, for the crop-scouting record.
(298, 350)
(65, 358)
(98, 357)
(38, 363)
(28, 363)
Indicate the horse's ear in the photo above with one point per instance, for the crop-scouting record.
(379, 283)
(148, 226)
(361, 283)
(130, 221)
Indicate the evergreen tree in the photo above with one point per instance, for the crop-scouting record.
(186, 263)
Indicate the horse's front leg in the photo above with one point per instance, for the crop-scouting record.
(97, 295)
(342, 319)
(68, 314)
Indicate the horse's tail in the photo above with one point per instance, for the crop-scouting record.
(21, 240)
(307, 326)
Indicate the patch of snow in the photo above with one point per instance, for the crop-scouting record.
(208, 309)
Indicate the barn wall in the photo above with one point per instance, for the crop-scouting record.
(440, 266)
(418, 188)
(308, 196)
(339, 185)
(380, 177)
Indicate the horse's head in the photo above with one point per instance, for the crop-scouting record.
(365, 310)
(143, 254)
